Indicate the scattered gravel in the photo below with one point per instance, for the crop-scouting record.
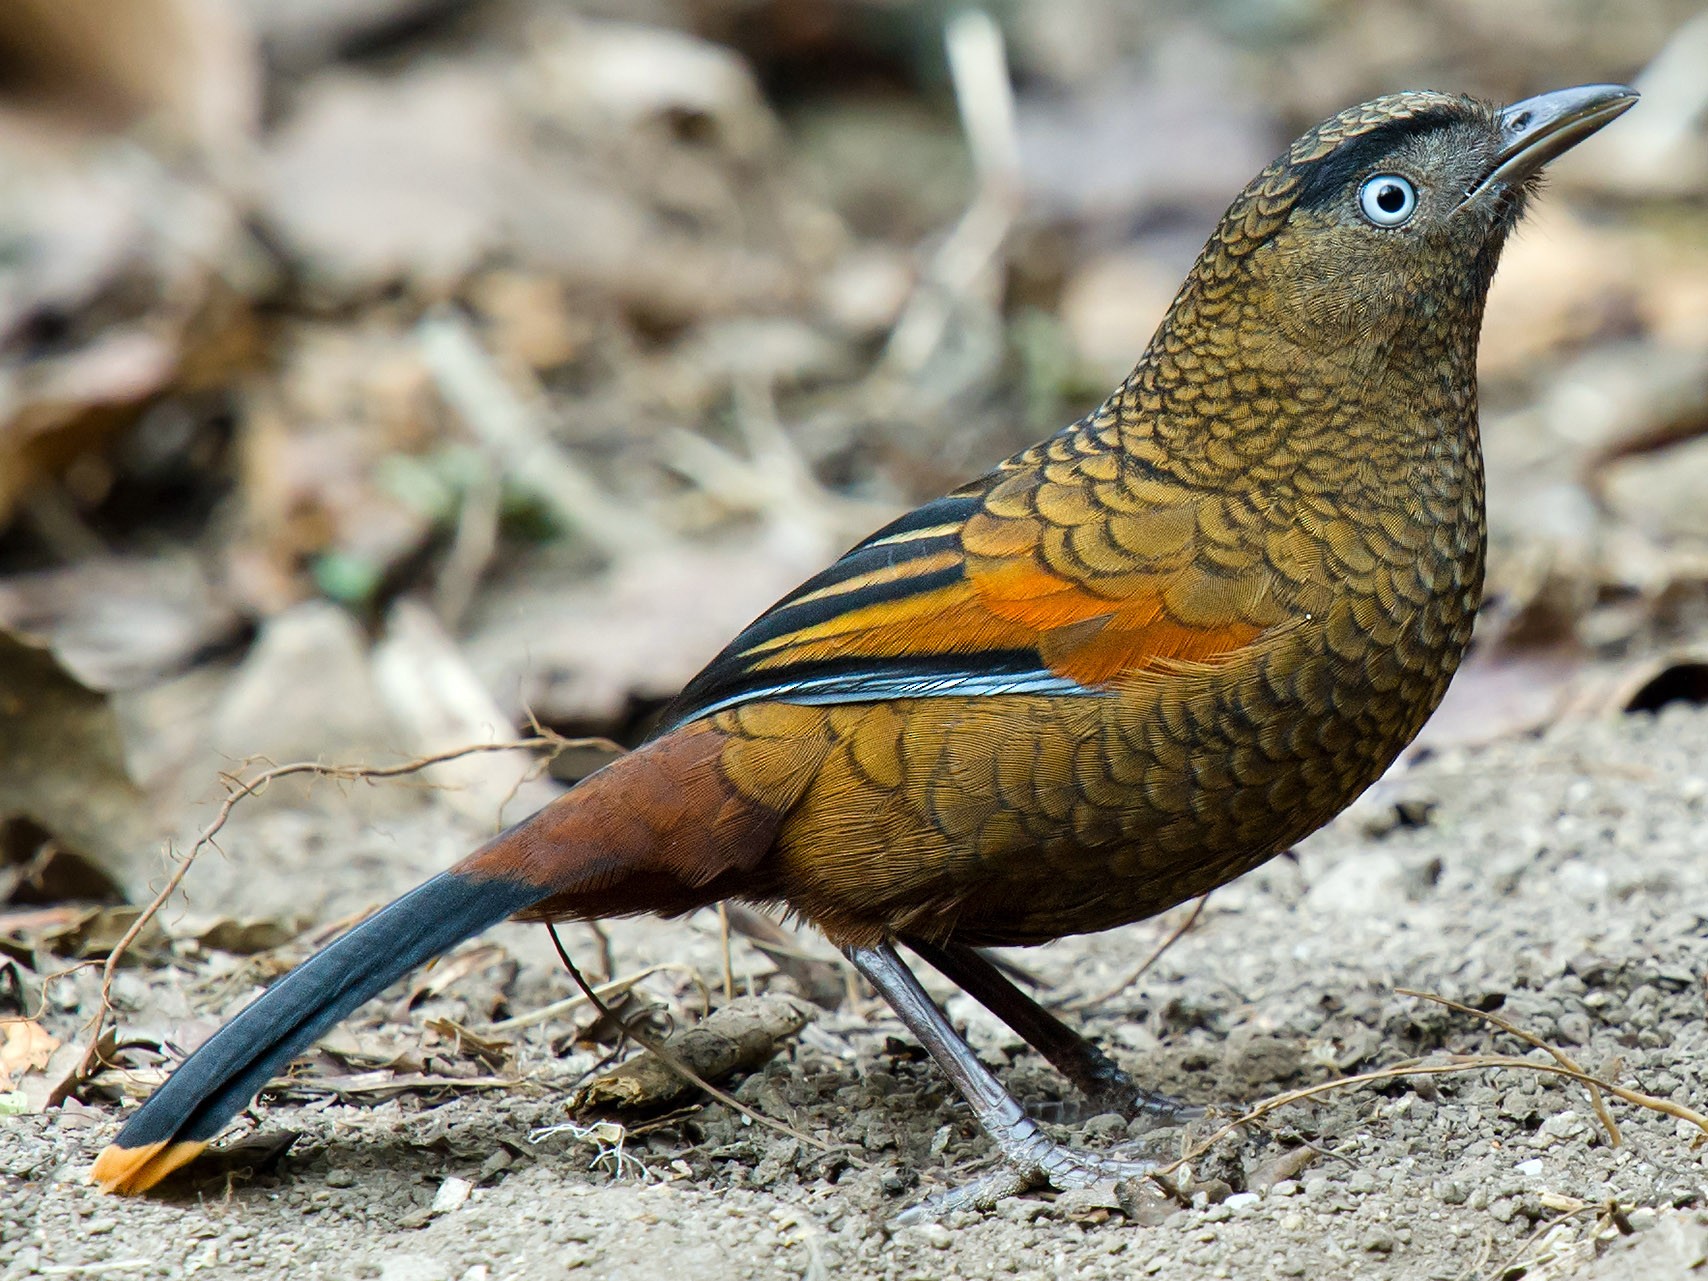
(1560, 882)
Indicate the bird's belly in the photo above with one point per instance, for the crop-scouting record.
(1017, 819)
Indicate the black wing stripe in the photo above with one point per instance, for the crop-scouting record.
(924, 534)
(786, 618)
(952, 509)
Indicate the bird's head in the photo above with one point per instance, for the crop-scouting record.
(1388, 218)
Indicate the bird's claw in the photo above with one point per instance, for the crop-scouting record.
(981, 1194)
(1158, 1109)
(1057, 1166)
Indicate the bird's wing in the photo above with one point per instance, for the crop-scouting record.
(1062, 572)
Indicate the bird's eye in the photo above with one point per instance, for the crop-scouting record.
(1387, 199)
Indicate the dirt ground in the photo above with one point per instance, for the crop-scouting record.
(1557, 881)
(383, 376)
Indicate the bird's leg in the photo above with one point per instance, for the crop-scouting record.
(1030, 1157)
(1091, 1071)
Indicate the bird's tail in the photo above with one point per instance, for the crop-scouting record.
(217, 1080)
(659, 830)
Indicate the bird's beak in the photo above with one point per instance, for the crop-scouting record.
(1536, 130)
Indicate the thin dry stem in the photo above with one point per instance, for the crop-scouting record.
(676, 1065)
(1529, 1242)
(240, 789)
(729, 954)
(514, 427)
(570, 1004)
(1175, 935)
(1453, 1064)
(1614, 1138)
(960, 276)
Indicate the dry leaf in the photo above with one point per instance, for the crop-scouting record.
(378, 1086)
(1663, 151)
(62, 762)
(1663, 493)
(119, 623)
(1644, 685)
(1127, 145)
(1501, 692)
(450, 971)
(240, 936)
(372, 181)
(114, 256)
(27, 1047)
(186, 66)
(305, 691)
(68, 1068)
(492, 1053)
(79, 932)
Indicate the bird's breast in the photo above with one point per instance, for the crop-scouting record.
(1018, 818)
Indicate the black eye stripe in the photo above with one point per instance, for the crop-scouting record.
(1325, 181)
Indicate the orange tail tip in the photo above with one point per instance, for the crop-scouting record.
(131, 1171)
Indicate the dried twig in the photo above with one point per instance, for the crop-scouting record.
(602, 936)
(472, 546)
(770, 477)
(241, 788)
(822, 980)
(1614, 1138)
(1447, 1066)
(570, 1004)
(729, 957)
(739, 1037)
(1114, 990)
(647, 1042)
(1547, 1226)
(963, 267)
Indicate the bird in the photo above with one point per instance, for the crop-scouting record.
(1119, 669)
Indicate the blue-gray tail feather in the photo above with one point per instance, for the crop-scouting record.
(222, 1075)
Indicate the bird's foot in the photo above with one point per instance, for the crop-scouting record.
(1109, 1089)
(1135, 1103)
(1152, 1109)
(1045, 1164)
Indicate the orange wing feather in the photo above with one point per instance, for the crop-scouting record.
(1039, 566)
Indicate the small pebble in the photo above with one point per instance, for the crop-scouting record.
(1106, 1125)
(936, 1235)
(1379, 1241)
(452, 1194)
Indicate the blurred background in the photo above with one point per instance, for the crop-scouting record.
(377, 375)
